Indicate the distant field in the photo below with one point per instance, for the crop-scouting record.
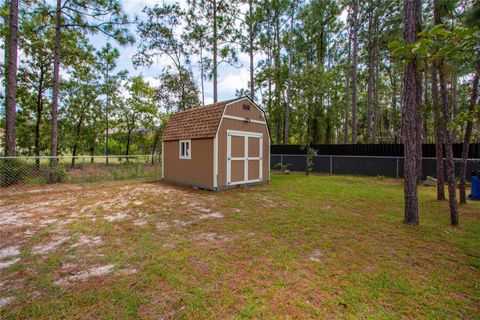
(317, 247)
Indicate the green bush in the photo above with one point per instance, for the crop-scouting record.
(127, 170)
(56, 174)
(13, 171)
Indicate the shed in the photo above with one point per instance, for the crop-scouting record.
(218, 146)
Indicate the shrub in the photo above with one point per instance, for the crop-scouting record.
(13, 171)
(56, 174)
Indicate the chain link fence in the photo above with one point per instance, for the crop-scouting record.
(364, 165)
(27, 173)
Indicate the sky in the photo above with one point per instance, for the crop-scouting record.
(230, 78)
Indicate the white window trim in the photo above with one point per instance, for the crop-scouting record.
(180, 150)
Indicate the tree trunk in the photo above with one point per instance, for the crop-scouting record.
(418, 102)
(289, 89)
(452, 196)
(11, 79)
(56, 85)
(129, 134)
(201, 74)
(92, 143)
(409, 108)
(38, 121)
(215, 49)
(454, 103)
(250, 50)
(347, 89)
(371, 76)
(426, 111)
(78, 131)
(394, 119)
(107, 109)
(468, 132)
(376, 88)
(439, 139)
(92, 152)
(278, 92)
(308, 140)
(354, 71)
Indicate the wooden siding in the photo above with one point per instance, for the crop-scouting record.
(236, 109)
(238, 168)
(253, 147)
(197, 170)
(237, 147)
(253, 169)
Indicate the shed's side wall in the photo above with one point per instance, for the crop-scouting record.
(197, 171)
(236, 109)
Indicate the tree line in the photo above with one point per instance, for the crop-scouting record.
(325, 71)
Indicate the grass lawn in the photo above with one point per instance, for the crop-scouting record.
(317, 247)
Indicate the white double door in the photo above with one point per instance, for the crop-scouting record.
(244, 157)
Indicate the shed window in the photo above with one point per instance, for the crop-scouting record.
(185, 149)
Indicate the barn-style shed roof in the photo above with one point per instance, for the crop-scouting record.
(196, 123)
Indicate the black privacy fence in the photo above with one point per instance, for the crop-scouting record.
(383, 150)
(366, 165)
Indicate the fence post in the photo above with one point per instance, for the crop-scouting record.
(281, 163)
(331, 165)
(397, 167)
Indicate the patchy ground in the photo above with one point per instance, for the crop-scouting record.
(301, 247)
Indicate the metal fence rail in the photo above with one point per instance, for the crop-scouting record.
(364, 165)
(25, 173)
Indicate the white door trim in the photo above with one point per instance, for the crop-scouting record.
(245, 158)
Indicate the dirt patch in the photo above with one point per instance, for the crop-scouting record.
(162, 225)
(50, 246)
(9, 263)
(140, 222)
(85, 274)
(316, 256)
(116, 217)
(9, 252)
(84, 240)
(6, 300)
(213, 215)
(211, 237)
(181, 223)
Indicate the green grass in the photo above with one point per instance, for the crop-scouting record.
(317, 247)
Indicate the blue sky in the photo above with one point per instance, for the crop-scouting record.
(230, 78)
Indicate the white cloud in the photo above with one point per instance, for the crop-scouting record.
(132, 7)
(235, 80)
(153, 82)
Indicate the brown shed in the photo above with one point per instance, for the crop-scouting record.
(218, 146)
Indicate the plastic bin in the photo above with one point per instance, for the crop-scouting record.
(475, 187)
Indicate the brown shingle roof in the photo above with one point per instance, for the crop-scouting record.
(195, 123)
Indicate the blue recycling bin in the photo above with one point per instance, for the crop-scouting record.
(475, 188)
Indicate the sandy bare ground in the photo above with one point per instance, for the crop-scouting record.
(40, 224)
